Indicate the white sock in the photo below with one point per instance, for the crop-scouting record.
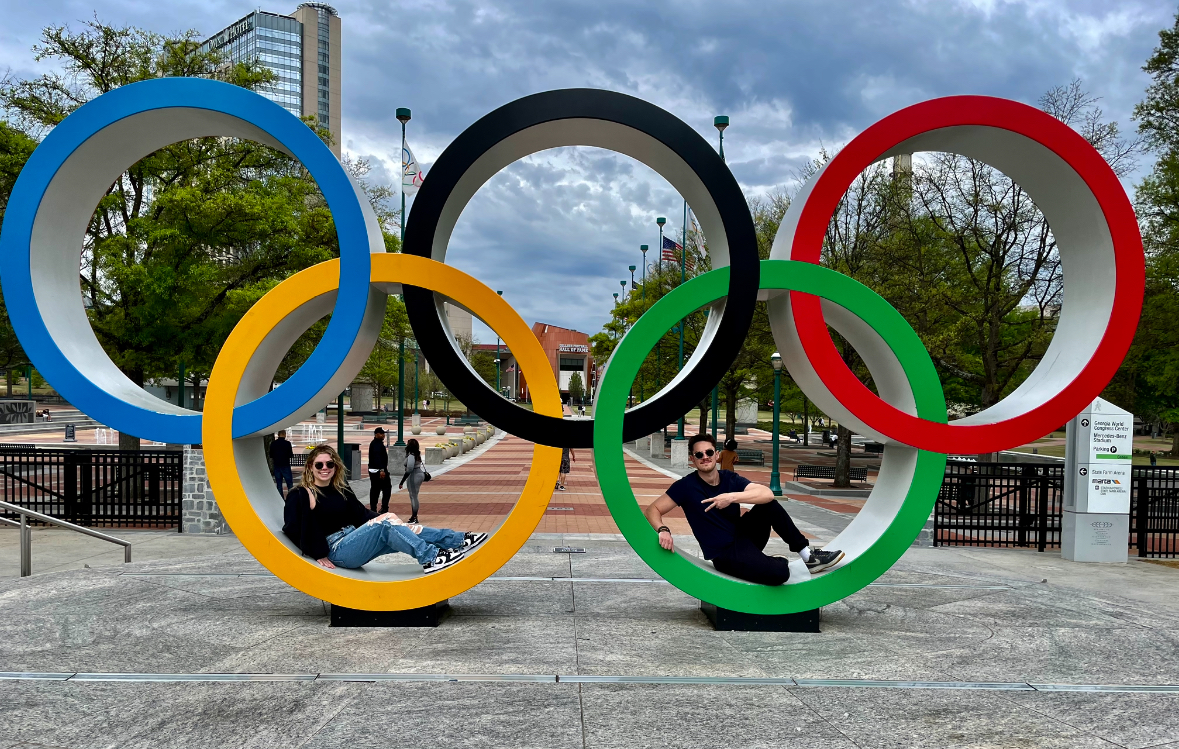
(805, 554)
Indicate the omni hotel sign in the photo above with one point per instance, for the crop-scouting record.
(573, 348)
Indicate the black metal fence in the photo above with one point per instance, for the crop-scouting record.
(101, 488)
(1154, 511)
(1000, 504)
(1021, 505)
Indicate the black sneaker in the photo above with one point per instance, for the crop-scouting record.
(822, 559)
(471, 541)
(445, 558)
(560, 487)
(412, 521)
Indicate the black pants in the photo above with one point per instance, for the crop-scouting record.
(745, 558)
(379, 486)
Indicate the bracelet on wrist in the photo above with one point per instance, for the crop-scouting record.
(662, 528)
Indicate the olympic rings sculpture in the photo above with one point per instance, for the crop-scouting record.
(1090, 215)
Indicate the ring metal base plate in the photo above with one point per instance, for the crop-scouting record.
(726, 620)
(426, 616)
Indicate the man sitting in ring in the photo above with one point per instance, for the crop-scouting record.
(329, 524)
(734, 541)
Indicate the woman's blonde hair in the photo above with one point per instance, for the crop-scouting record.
(307, 479)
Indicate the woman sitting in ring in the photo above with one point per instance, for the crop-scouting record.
(330, 525)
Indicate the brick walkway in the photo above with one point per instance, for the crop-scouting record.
(478, 495)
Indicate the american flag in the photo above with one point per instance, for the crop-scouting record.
(671, 250)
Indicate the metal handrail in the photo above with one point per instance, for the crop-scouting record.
(26, 534)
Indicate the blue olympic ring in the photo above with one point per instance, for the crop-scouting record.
(69, 168)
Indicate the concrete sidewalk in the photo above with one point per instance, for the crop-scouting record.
(584, 650)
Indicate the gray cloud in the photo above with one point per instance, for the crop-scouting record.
(557, 230)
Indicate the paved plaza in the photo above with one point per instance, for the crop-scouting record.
(195, 645)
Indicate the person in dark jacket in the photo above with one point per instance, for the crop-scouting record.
(280, 457)
(380, 484)
(735, 541)
(329, 524)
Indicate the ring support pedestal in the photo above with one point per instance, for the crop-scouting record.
(724, 620)
(426, 616)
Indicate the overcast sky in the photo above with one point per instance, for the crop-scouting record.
(557, 231)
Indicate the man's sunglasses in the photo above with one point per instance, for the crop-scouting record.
(706, 454)
(319, 465)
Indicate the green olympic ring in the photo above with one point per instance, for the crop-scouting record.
(694, 576)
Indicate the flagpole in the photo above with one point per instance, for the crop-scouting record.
(683, 263)
(403, 115)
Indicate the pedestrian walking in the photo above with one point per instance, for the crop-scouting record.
(380, 484)
(414, 475)
(281, 453)
(566, 455)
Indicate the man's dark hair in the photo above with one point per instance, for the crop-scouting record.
(692, 441)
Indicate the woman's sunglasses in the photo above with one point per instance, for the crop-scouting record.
(321, 466)
(706, 454)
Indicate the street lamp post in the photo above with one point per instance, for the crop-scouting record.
(497, 387)
(720, 122)
(643, 249)
(659, 349)
(400, 393)
(403, 116)
(775, 479)
(632, 276)
(661, 221)
(416, 371)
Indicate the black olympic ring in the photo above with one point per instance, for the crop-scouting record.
(621, 123)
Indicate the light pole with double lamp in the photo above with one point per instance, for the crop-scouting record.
(775, 479)
(720, 122)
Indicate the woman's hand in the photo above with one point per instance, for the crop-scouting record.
(326, 563)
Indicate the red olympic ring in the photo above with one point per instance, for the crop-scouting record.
(1129, 262)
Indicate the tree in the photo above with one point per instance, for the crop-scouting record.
(189, 237)
(576, 388)
(15, 149)
(381, 369)
(1148, 381)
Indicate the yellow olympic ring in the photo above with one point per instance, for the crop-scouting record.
(244, 501)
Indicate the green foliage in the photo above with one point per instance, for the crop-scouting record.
(188, 238)
(576, 388)
(1148, 381)
(483, 362)
(381, 369)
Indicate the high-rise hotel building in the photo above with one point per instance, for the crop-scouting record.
(302, 50)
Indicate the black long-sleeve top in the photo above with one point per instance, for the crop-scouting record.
(281, 452)
(378, 456)
(310, 528)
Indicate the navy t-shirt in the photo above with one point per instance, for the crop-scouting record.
(716, 528)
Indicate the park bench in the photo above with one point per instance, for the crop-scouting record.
(465, 420)
(828, 472)
(751, 457)
(374, 419)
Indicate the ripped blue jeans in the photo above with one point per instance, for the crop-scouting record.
(356, 547)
